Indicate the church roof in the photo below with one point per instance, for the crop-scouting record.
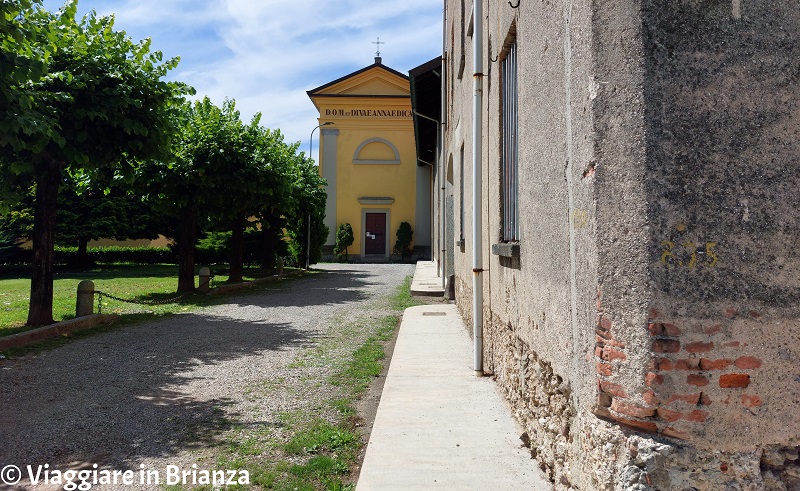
(376, 80)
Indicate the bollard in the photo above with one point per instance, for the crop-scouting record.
(84, 305)
(279, 265)
(205, 280)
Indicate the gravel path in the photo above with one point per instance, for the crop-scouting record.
(160, 393)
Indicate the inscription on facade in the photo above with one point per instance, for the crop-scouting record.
(370, 113)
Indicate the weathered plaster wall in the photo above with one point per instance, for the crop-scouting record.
(720, 96)
(646, 336)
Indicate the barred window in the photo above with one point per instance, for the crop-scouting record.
(510, 154)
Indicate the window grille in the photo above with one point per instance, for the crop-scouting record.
(510, 154)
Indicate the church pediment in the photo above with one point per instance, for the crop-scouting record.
(371, 81)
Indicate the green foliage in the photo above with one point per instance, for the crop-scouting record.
(99, 212)
(344, 239)
(404, 238)
(99, 255)
(88, 103)
(320, 437)
(89, 97)
(309, 198)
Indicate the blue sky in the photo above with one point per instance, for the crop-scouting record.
(266, 54)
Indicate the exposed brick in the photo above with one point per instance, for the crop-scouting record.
(666, 346)
(602, 333)
(704, 399)
(631, 409)
(730, 313)
(612, 388)
(610, 354)
(696, 380)
(615, 343)
(751, 400)
(734, 380)
(699, 347)
(650, 397)
(605, 323)
(604, 369)
(598, 352)
(668, 415)
(653, 313)
(655, 328)
(687, 364)
(732, 344)
(723, 466)
(689, 398)
(671, 329)
(696, 416)
(711, 330)
(645, 426)
(653, 379)
(746, 362)
(721, 364)
(664, 364)
(754, 314)
(672, 432)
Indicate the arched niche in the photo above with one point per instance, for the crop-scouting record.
(376, 151)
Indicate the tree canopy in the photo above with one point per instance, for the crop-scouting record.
(90, 126)
(91, 102)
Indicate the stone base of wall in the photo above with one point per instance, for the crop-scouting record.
(578, 450)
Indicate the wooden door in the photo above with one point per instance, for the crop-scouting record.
(375, 237)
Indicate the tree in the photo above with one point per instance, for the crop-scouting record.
(308, 212)
(185, 183)
(257, 174)
(103, 211)
(344, 239)
(97, 106)
(404, 237)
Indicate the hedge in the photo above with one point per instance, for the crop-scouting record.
(132, 255)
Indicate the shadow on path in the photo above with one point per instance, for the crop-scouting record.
(120, 397)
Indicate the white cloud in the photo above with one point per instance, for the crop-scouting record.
(267, 53)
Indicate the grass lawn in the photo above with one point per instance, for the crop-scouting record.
(149, 283)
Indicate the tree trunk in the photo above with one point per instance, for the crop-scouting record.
(187, 236)
(270, 238)
(40, 310)
(237, 247)
(83, 253)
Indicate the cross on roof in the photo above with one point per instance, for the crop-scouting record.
(378, 43)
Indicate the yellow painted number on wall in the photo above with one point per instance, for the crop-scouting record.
(580, 218)
(677, 256)
(710, 254)
(666, 254)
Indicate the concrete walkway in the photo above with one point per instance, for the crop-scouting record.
(438, 426)
(425, 281)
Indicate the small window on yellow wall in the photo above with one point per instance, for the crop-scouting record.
(376, 151)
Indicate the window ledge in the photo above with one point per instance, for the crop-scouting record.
(376, 200)
(506, 249)
(381, 162)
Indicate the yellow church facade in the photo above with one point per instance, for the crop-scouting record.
(367, 154)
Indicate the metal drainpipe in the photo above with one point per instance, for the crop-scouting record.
(477, 208)
(442, 168)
